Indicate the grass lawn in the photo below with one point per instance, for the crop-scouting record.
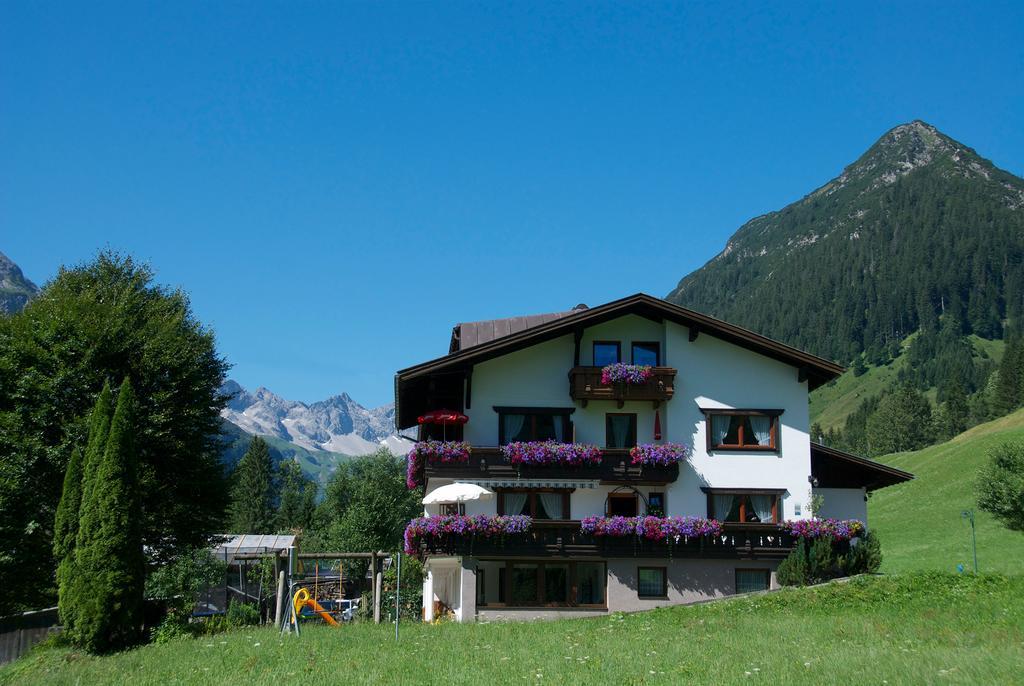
(919, 522)
(909, 629)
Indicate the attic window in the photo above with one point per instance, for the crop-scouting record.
(607, 352)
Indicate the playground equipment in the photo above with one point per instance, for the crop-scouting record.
(303, 599)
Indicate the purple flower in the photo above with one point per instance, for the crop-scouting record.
(434, 528)
(661, 455)
(551, 453)
(626, 373)
(651, 528)
(836, 529)
(432, 451)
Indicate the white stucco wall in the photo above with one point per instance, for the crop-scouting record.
(711, 374)
(843, 503)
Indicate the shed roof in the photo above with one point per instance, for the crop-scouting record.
(833, 468)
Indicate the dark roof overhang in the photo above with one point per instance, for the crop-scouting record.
(831, 468)
(815, 370)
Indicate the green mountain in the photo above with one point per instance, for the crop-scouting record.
(15, 289)
(919, 521)
(919, 227)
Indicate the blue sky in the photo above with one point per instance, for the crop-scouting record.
(337, 184)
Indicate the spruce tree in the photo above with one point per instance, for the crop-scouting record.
(252, 495)
(109, 555)
(1007, 396)
(903, 421)
(298, 498)
(71, 586)
(65, 529)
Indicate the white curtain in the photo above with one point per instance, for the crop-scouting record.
(762, 427)
(620, 430)
(719, 428)
(762, 506)
(723, 505)
(552, 504)
(559, 422)
(514, 503)
(513, 425)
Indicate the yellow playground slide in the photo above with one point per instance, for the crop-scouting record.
(303, 599)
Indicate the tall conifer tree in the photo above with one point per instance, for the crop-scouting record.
(71, 586)
(109, 557)
(252, 495)
(65, 529)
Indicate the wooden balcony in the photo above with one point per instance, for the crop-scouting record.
(585, 385)
(564, 539)
(615, 469)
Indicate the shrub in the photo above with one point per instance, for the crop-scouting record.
(821, 561)
(864, 557)
(174, 627)
(793, 570)
(242, 614)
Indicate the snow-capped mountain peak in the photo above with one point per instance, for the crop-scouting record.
(338, 424)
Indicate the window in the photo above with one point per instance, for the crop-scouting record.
(746, 507)
(453, 508)
(651, 582)
(620, 430)
(524, 583)
(656, 504)
(533, 424)
(481, 586)
(590, 578)
(539, 504)
(622, 505)
(742, 430)
(647, 353)
(750, 580)
(530, 583)
(607, 352)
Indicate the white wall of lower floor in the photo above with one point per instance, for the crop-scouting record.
(452, 582)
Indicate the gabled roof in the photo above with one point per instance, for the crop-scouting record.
(815, 369)
(833, 468)
(467, 334)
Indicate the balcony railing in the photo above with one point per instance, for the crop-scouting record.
(585, 384)
(615, 468)
(564, 538)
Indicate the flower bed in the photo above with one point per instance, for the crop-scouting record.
(626, 373)
(435, 528)
(651, 528)
(836, 529)
(659, 455)
(432, 451)
(551, 453)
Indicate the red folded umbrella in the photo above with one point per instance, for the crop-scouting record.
(443, 417)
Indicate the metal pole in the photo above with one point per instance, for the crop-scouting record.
(398, 596)
(969, 516)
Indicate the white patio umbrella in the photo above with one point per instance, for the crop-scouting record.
(457, 493)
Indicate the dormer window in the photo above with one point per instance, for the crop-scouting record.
(606, 353)
(742, 429)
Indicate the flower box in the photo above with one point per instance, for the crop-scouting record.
(551, 453)
(652, 528)
(435, 528)
(836, 529)
(659, 454)
(633, 374)
(432, 451)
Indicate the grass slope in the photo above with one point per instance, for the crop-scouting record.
(919, 522)
(831, 404)
(897, 630)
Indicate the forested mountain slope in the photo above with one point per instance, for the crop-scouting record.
(919, 226)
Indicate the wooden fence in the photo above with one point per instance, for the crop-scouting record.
(18, 633)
